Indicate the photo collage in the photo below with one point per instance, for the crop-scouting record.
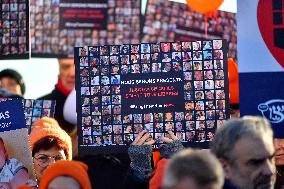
(49, 40)
(173, 21)
(36, 109)
(99, 70)
(14, 33)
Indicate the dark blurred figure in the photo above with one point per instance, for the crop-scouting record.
(11, 82)
(193, 169)
(66, 82)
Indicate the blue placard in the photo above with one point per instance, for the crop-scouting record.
(263, 94)
(11, 115)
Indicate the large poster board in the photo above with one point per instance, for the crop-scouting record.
(59, 25)
(14, 29)
(261, 66)
(172, 21)
(124, 89)
(14, 134)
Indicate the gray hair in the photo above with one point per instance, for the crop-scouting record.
(229, 134)
(199, 165)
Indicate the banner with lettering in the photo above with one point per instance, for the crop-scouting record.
(11, 115)
(14, 136)
(261, 60)
(58, 26)
(125, 89)
(174, 21)
(14, 30)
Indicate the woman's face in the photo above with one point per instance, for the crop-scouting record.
(44, 158)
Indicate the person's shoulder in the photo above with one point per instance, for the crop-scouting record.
(46, 97)
(54, 94)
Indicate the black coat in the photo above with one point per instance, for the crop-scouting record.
(229, 185)
(112, 172)
(60, 100)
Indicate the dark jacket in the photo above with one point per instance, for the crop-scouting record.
(279, 177)
(229, 185)
(60, 100)
(112, 172)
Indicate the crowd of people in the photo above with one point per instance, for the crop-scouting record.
(242, 155)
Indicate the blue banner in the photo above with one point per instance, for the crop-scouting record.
(11, 115)
(263, 94)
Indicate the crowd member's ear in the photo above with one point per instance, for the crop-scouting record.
(226, 168)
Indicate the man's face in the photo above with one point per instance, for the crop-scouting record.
(105, 80)
(116, 110)
(279, 151)
(254, 164)
(168, 67)
(67, 73)
(10, 85)
(98, 139)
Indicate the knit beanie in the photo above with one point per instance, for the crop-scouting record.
(74, 169)
(49, 127)
(14, 75)
(25, 187)
(233, 81)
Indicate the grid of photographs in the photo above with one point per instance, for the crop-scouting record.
(36, 109)
(14, 35)
(99, 70)
(47, 39)
(172, 21)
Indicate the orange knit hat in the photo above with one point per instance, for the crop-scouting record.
(49, 127)
(74, 169)
(25, 187)
(234, 81)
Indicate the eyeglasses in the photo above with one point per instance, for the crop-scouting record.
(44, 160)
